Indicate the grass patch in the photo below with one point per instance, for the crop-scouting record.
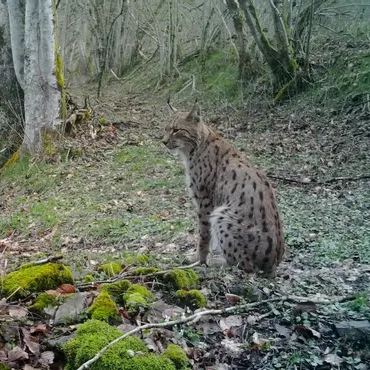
(216, 75)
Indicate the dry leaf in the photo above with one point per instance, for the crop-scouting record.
(47, 357)
(30, 342)
(40, 328)
(66, 289)
(233, 298)
(17, 312)
(17, 354)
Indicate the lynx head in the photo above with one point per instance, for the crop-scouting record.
(185, 131)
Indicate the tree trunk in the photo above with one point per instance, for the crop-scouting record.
(37, 66)
(246, 70)
(11, 97)
(279, 58)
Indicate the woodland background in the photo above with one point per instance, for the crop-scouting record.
(288, 82)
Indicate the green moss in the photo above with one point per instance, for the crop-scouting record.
(145, 270)
(137, 288)
(4, 367)
(88, 279)
(110, 269)
(102, 121)
(137, 299)
(183, 278)
(192, 298)
(177, 355)
(141, 259)
(103, 308)
(152, 362)
(116, 289)
(92, 336)
(29, 279)
(42, 301)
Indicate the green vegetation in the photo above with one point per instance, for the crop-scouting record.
(93, 335)
(116, 289)
(42, 301)
(110, 269)
(145, 270)
(137, 299)
(191, 298)
(182, 278)
(30, 279)
(177, 355)
(217, 75)
(104, 308)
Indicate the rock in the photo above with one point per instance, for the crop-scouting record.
(356, 330)
(70, 309)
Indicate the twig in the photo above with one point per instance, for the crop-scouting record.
(47, 260)
(195, 317)
(314, 182)
(172, 323)
(123, 276)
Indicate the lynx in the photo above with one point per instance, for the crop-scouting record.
(237, 209)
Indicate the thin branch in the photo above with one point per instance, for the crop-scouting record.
(195, 317)
(314, 182)
(127, 276)
(307, 56)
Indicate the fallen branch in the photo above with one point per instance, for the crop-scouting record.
(196, 316)
(47, 260)
(127, 276)
(184, 320)
(314, 182)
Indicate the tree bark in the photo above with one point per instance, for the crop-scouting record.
(36, 67)
(11, 97)
(279, 58)
(246, 70)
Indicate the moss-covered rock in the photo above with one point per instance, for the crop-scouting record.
(30, 279)
(177, 355)
(93, 335)
(192, 298)
(145, 270)
(111, 269)
(42, 301)
(116, 290)
(137, 299)
(182, 278)
(103, 308)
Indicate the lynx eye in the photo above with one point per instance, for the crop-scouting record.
(175, 130)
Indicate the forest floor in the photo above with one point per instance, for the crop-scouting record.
(121, 192)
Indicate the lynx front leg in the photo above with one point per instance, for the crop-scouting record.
(204, 230)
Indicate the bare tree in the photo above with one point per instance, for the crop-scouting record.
(246, 69)
(37, 66)
(11, 97)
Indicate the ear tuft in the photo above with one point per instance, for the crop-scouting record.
(169, 104)
(194, 115)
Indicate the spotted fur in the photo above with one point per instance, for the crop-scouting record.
(237, 209)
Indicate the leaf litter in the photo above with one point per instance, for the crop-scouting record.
(106, 213)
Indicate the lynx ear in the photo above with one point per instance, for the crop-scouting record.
(194, 115)
(174, 110)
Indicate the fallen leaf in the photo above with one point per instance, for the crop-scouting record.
(17, 312)
(333, 359)
(232, 298)
(66, 289)
(40, 328)
(30, 342)
(307, 331)
(17, 354)
(304, 307)
(47, 357)
(282, 330)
